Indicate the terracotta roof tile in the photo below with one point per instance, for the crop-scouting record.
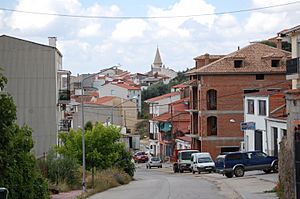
(256, 58)
(102, 100)
(129, 87)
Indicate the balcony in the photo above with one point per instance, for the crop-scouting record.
(64, 95)
(153, 136)
(292, 67)
(63, 82)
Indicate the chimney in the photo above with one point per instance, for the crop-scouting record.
(206, 59)
(52, 41)
(279, 42)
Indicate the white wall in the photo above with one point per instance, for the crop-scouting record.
(259, 121)
(280, 125)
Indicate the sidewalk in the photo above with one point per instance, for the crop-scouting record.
(254, 185)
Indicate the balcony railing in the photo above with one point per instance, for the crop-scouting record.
(292, 66)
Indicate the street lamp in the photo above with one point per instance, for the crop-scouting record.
(82, 123)
(112, 108)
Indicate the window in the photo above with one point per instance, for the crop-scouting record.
(260, 77)
(261, 107)
(238, 63)
(250, 106)
(284, 132)
(211, 99)
(236, 156)
(212, 126)
(275, 63)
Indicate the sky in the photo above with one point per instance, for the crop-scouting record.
(127, 32)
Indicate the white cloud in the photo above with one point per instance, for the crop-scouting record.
(227, 26)
(171, 26)
(89, 30)
(129, 29)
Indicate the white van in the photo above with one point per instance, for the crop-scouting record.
(202, 162)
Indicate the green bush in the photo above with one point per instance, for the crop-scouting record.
(63, 169)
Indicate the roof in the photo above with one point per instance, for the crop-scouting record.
(279, 113)
(209, 56)
(32, 43)
(154, 99)
(255, 56)
(288, 31)
(128, 87)
(180, 86)
(185, 138)
(157, 59)
(102, 100)
(163, 117)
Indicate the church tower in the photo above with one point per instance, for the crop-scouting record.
(157, 64)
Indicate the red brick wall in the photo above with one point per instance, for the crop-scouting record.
(230, 95)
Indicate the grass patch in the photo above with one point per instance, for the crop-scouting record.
(105, 180)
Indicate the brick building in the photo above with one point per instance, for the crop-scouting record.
(217, 87)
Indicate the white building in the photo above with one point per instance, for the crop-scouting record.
(265, 111)
(157, 106)
(122, 90)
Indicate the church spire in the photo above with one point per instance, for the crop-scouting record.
(157, 60)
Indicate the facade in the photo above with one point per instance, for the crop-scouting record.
(39, 86)
(122, 90)
(157, 106)
(217, 90)
(108, 110)
(266, 111)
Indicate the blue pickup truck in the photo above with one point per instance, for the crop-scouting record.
(236, 163)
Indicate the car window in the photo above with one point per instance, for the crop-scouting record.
(235, 156)
(249, 156)
(261, 155)
(204, 159)
(186, 155)
(155, 159)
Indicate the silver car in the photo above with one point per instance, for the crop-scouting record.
(154, 162)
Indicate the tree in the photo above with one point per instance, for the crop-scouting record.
(17, 165)
(103, 149)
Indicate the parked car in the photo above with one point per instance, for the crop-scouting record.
(154, 162)
(202, 162)
(182, 161)
(140, 156)
(236, 163)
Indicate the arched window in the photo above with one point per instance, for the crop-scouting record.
(212, 126)
(211, 99)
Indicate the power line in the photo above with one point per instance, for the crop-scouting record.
(148, 17)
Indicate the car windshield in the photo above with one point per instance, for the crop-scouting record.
(187, 155)
(204, 159)
(155, 159)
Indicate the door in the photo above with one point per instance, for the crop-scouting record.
(258, 140)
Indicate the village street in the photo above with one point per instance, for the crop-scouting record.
(164, 184)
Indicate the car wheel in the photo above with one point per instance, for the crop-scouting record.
(275, 167)
(193, 172)
(180, 170)
(160, 167)
(199, 172)
(267, 170)
(149, 167)
(229, 175)
(239, 172)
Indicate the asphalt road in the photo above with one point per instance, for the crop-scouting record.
(154, 184)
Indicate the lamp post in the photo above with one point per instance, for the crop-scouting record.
(83, 130)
